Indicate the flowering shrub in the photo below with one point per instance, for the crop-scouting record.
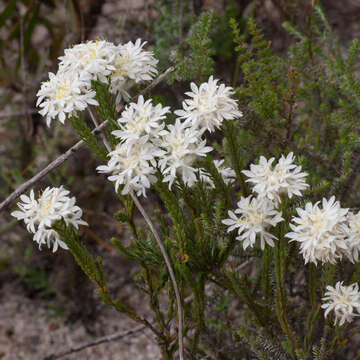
(197, 160)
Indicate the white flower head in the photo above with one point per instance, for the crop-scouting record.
(39, 215)
(183, 145)
(141, 118)
(209, 105)
(272, 181)
(64, 95)
(132, 166)
(343, 300)
(320, 231)
(132, 65)
(256, 217)
(92, 60)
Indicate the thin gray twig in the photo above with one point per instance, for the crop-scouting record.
(171, 273)
(105, 339)
(103, 137)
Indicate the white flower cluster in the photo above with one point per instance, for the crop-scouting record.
(258, 214)
(326, 233)
(209, 105)
(147, 145)
(132, 166)
(69, 90)
(182, 144)
(40, 214)
(344, 301)
(271, 181)
(64, 94)
(140, 119)
(132, 65)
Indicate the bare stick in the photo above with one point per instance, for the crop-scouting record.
(105, 339)
(171, 273)
(53, 165)
(62, 158)
(158, 80)
(103, 137)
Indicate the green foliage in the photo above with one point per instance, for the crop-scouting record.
(193, 60)
(241, 287)
(222, 38)
(319, 352)
(174, 20)
(106, 109)
(263, 72)
(91, 267)
(142, 250)
(233, 149)
(271, 350)
(192, 43)
(88, 137)
(298, 103)
(172, 206)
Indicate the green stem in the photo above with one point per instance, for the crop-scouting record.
(171, 273)
(230, 135)
(265, 276)
(280, 298)
(236, 71)
(240, 287)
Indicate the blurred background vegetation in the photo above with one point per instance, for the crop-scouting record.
(290, 62)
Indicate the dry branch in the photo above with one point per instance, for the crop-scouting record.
(171, 273)
(105, 339)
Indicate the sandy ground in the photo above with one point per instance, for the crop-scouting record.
(29, 331)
